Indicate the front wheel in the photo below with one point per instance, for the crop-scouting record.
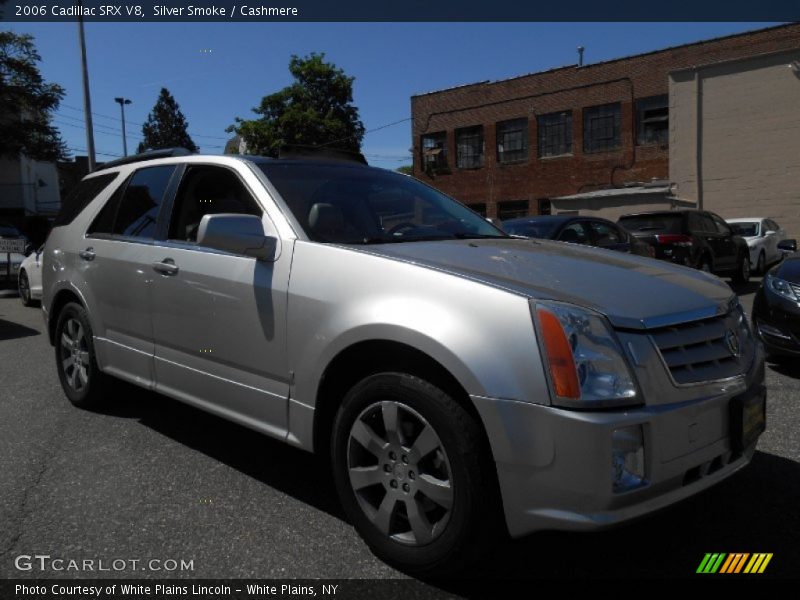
(742, 274)
(413, 474)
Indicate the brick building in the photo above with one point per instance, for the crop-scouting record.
(507, 147)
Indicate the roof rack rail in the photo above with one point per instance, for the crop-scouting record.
(295, 151)
(162, 153)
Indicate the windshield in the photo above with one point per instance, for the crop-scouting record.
(9, 231)
(357, 205)
(745, 229)
(652, 223)
(533, 229)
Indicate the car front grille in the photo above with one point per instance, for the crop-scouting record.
(706, 350)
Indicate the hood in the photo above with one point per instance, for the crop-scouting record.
(788, 269)
(631, 291)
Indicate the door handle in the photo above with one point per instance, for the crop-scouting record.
(166, 267)
(87, 254)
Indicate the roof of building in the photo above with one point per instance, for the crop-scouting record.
(603, 62)
(633, 190)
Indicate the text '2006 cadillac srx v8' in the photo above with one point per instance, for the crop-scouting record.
(462, 383)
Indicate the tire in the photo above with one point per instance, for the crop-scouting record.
(24, 287)
(761, 264)
(461, 522)
(742, 274)
(81, 379)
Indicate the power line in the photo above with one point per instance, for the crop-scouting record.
(211, 137)
(96, 152)
(350, 137)
(111, 131)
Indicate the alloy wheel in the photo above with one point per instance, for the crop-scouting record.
(75, 355)
(400, 473)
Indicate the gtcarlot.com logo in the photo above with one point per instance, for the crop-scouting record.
(737, 562)
(45, 562)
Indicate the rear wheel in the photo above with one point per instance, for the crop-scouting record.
(24, 289)
(742, 274)
(81, 379)
(413, 474)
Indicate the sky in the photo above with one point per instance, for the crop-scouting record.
(218, 71)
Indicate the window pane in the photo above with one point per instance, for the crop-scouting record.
(512, 140)
(605, 235)
(574, 233)
(204, 191)
(104, 221)
(512, 209)
(555, 134)
(469, 148)
(601, 128)
(86, 191)
(434, 151)
(138, 210)
(652, 120)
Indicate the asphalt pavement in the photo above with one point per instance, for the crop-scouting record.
(150, 478)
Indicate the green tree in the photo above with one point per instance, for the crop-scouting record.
(166, 126)
(316, 110)
(405, 170)
(26, 102)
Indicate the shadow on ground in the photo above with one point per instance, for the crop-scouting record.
(13, 331)
(755, 511)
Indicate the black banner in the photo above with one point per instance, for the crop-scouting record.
(405, 11)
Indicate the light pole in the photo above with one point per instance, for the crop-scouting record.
(122, 102)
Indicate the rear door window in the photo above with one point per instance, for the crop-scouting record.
(657, 223)
(606, 235)
(138, 211)
(575, 233)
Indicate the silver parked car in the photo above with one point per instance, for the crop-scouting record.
(462, 383)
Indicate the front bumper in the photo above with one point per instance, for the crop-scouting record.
(555, 466)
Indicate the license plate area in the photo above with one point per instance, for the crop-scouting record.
(748, 418)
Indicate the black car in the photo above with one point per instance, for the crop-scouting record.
(591, 231)
(776, 307)
(695, 238)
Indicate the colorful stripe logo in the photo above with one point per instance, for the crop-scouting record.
(737, 562)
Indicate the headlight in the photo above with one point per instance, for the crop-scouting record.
(583, 358)
(782, 288)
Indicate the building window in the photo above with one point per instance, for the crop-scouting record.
(555, 134)
(479, 208)
(469, 147)
(512, 209)
(601, 127)
(512, 141)
(652, 120)
(434, 151)
(544, 206)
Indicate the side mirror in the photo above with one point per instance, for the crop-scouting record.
(788, 245)
(237, 234)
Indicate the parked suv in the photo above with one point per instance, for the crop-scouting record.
(695, 238)
(461, 383)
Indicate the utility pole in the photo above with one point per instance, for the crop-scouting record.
(87, 102)
(122, 102)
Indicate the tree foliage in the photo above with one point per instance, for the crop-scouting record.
(316, 110)
(166, 127)
(26, 102)
(405, 170)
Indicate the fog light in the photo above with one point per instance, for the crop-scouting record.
(627, 458)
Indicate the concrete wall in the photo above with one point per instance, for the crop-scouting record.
(735, 137)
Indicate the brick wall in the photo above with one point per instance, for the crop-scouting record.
(568, 88)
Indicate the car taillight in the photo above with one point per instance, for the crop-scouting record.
(674, 239)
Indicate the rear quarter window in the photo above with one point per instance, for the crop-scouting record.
(83, 194)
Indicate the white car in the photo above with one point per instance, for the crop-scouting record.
(29, 281)
(762, 236)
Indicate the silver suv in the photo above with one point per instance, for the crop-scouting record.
(462, 383)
